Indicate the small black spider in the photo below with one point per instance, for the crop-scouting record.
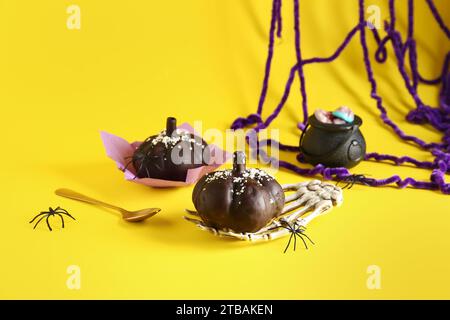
(296, 230)
(51, 213)
(352, 179)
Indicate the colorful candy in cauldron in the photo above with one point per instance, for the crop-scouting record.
(243, 200)
(333, 139)
(170, 154)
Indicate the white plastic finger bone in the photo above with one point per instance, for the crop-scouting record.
(306, 199)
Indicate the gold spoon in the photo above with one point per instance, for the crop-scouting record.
(130, 216)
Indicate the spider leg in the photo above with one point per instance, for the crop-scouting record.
(43, 212)
(352, 184)
(339, 181)
(62, 219)
(67, 214)
(347, 184)
(128, 164)
(305, 235)
(300, 229)
(48, 224)
(295, 239)
(361, 179)
(289, 243)
(295, 228)
(61, 209)
(304, 242)
(139, 170)
(38, 222)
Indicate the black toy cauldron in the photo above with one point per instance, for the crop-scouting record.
(333, 145)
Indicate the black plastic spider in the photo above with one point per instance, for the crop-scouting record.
(296, 230)
(352, 179)
(143, 161)
(51, 213)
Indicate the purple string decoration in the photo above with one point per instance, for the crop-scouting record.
(405, 51)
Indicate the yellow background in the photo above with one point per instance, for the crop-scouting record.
(135, 62)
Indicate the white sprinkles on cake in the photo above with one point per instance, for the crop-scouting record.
(257, 175)
(181, 135)
(218, 175)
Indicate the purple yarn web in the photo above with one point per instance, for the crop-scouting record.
(404, 52)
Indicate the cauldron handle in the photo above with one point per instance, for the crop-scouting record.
(303, 134)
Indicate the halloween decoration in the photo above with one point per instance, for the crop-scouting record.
(333, 144)
(170, 154)
(349, 181)
(241, 199)
(60, 212)
(405, 52)
(296, 231)
(121, 151)
(129, 216)
(316, 196)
